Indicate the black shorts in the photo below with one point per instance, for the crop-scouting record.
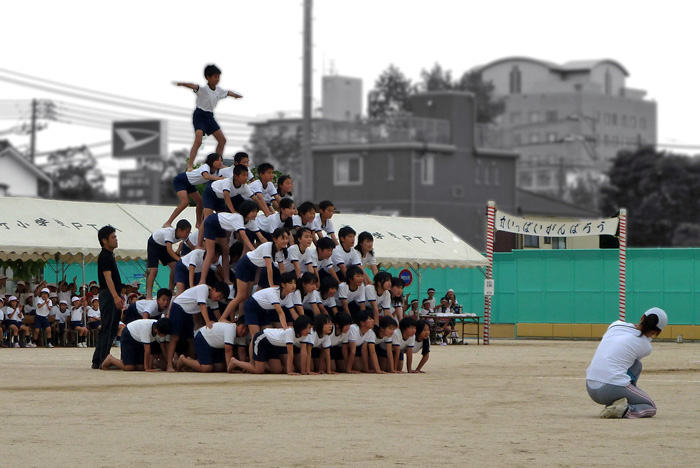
(181, 323)
(132, 350)
(182, 183)
(130, 314)
(263, 350)
(206, 354)
(211, 201)
(158, 253)
(204, 121)
(337, 352)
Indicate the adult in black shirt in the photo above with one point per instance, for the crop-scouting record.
(111, 303)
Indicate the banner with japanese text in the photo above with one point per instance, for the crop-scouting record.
(555, 228)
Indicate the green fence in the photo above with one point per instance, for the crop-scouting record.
(128, 271)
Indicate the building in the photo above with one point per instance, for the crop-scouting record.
(19, 177)
(341, 98)
(566, 121)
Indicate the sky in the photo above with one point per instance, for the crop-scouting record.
(137, 49)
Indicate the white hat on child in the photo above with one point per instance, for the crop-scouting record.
(75, 298)
(663, 318)
(46, 290)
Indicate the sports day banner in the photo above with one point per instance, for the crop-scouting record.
(586, 227)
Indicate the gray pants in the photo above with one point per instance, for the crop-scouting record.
(640, 404)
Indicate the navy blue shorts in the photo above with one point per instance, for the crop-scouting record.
(254, 314)
(158, 253)
(184, 250)
(381, 352)
(93, 325)
(274, 317)
(264, 282)
(316, 353)
(181, 323)
(75, 324)
(204, 121)
(337, 352)
(354, 309)
(181, 182)
(16, 323)
(266, 235)
(246, 270)
(130, 314)
(41, 322)
(182, 275)
(212, 228)
(263, 350)
(212, 201)
(132, 350)
(206, 354)
(61, 327)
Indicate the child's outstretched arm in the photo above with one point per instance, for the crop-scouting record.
(234, 94)
(192, 86)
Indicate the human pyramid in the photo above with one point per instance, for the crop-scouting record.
(262, 285)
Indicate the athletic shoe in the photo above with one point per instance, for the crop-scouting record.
(616, 410)
(49, 345)
(83, 345)
(16, 345)
(444, 343)
(30, 345)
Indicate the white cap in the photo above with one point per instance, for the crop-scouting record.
(2, 299)
(663, 318)
(75, 298)
(451, 290)
(46, 290)
(63, 302)
(12, 298)
(135, 284)
(95, 298)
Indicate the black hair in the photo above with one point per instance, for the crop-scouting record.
(164, 292)
(431, 289)
(246, 207)
(280, 180)
(364, 235)
(396, 281)
(325, 243)
(325, 204)
(163, 325)
(276, 234)
(286, 203)
(238, 168)
(104, 233)
(406, 323)
(319, 321)
(305, 207)
(300, 232)
(211, 70)
(240, 320)
(353, 271)
(240, 156)
(328, 283)
(264, 167)
(648, 324)
(420, 326)
(381, 277)
(236, 250)
(182, 225)
(341, 319)
(211, 159)
(222, 288)
(425, 300)
(300, 323)
(306, 278)
(363, 316)
(345, 231)
(288, 277)
(386, 321)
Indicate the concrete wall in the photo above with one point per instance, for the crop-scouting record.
(20, 181)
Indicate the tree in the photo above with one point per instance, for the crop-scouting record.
(75, 175)
(390, 94)
(282, 149)
(436, 79)
(661, 191)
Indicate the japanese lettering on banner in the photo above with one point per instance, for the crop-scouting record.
(556, 228)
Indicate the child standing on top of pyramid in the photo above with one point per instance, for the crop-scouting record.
(208, 97)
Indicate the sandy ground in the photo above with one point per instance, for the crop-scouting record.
(511, 404)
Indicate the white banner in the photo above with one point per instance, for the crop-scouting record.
(555, 228)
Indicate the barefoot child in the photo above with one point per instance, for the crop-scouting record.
(213, 347)
(137, 339)
(145, 309)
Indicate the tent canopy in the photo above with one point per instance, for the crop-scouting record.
(37, 229)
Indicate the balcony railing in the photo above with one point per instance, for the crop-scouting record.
(400, 130)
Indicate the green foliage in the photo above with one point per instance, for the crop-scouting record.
(390, 95)
(76, 175)
(24, 270)
(282, 150)
(661, 191)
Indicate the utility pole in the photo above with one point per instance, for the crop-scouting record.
(307, 170)
(32, 144)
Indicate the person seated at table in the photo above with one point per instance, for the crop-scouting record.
(413, 311)
(442, 324)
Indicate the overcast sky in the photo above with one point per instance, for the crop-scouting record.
(137, 48)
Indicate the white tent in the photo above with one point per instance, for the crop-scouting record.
(32, 229)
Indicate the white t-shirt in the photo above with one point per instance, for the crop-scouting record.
(358, 295)
(354, 336)
(325, 264)
(195, 176)
(228, 173)
(283, 337)
(194, 258)
(258, 256)
(43, 308)
(164, 236)
(232, 222)
(226, 185)
(219, 335)
(320, 226)
(64, 296)
(305, 259)
(368, 259)
(15, 314)
(268, 297)
(337, 340)
(341, 257)
(149, 307)
(397, 340)
(383, 342)
(328, 302)
(141, 330)
(76, 314)
(272, 222)
(312, 298)
(620, 347)
(268, 192)
(320, 342)
(192, 298)
(93, 313)
(383, 301)
(208, 98)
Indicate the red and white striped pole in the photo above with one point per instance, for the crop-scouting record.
(623, 261)
(490, 232)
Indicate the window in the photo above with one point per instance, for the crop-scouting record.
(487, 179)
(614, 119)
(624, 121)
(597, 116)
(427, 170)
(347, 169)
(477, 172)
(606, 118)
(551, 137)
(534, 117)
(515, 80)
(532, 241)
(534, 138)
(515, 118)
(390, 167)
(633, 122)
(614, 140)
(558, 242)
(642, 123)
(495, 174)
(517, 139)
(547, 241)
(551, 116)
(544, 179)
(525, 179)
(608, 82)
(605, 140)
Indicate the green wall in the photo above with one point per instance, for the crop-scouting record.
(129, 271)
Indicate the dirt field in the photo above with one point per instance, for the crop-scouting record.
(511, 404)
